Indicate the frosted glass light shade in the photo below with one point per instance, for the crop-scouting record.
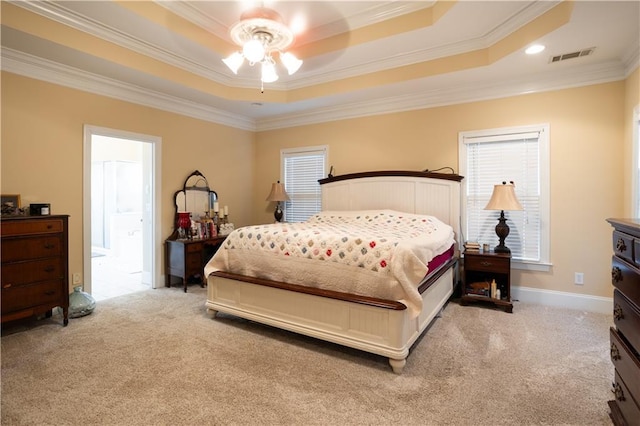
(269, 74)
(234, 61)
(291, 63)
(253, 50)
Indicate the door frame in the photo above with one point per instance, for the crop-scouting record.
(155, 210)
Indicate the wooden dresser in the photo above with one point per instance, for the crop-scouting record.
(35, 266)
(625, 336)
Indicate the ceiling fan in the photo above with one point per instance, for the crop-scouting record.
(260, 33)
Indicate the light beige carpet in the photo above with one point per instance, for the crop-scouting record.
(157, 358)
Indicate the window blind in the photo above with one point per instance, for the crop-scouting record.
(302, 169)
(494, 159)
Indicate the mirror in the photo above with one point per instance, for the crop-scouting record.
(195, 198)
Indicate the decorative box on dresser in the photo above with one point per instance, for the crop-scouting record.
(625, 336)
(35, 266)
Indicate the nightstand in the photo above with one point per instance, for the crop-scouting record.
(480, 269)
(187, 258)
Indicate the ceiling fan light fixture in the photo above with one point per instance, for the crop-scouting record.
(234, 61)
(269, 74)
(260, 32)
(290, 62)
(254, 51)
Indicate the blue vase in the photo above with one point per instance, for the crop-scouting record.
(80, 303)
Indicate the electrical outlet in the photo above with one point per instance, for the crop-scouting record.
(579, 278)
(76, 278)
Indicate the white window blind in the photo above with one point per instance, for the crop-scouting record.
(301, 170)
(490, 159)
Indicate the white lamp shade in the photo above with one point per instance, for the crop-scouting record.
(234, 61)
(277, 193)
(504, 198)
(291, 63)
(253, 50)
(269, 74)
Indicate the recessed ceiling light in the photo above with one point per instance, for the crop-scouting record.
(532, 50)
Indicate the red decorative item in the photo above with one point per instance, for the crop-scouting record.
(184, 222)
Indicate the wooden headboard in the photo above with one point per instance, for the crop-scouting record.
(435, 194)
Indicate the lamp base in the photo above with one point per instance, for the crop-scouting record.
(502, 249)
(502, 231)
(278, 213)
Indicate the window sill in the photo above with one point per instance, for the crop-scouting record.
(531, 266)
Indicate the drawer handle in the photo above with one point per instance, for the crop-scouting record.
(6, 285)
(485, 263)
(49, 269)
(49, 246)
(621, 246)
(617, 390)
(49, 226)
(616, 274)
(615, 352)
(49, 293)
(618, 313)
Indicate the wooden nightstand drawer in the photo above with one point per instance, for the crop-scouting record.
(31, 248)
(194, 248)
(486, 263)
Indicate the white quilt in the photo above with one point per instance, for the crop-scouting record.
(380, 254)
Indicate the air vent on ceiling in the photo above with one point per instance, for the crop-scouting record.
(577, 54)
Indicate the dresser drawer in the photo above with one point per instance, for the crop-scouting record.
(626, 278)
(44, 226)
(20, 273)
(487, 263)
(31, 248)
(194, 248)
(626, 363)
(43, 293)
(626, 317)
(623, 245)
(624, 401)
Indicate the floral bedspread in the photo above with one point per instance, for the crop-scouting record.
(376, 253)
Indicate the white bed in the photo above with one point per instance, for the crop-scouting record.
(380, 326)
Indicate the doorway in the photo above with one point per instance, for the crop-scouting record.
(121, 216)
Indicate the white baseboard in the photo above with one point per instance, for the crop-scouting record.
(584, 302)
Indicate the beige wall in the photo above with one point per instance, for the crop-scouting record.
(631, 102)
(42, 145)
(589, 136)
(586, 143)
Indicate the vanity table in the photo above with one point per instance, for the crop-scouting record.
(187, 254)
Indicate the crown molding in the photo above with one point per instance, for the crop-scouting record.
(34, 67)
(58, 13)
(53, 72)
(472, 92)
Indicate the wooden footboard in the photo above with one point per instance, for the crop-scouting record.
(373, 325)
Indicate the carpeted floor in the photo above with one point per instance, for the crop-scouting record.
(156, 358)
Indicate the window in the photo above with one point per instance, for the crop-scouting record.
(301, 169)
(521, 155)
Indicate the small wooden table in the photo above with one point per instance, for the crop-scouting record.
(482, 268)
(187, 258)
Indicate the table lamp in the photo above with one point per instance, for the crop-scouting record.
(277, 194)
(503, 198)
